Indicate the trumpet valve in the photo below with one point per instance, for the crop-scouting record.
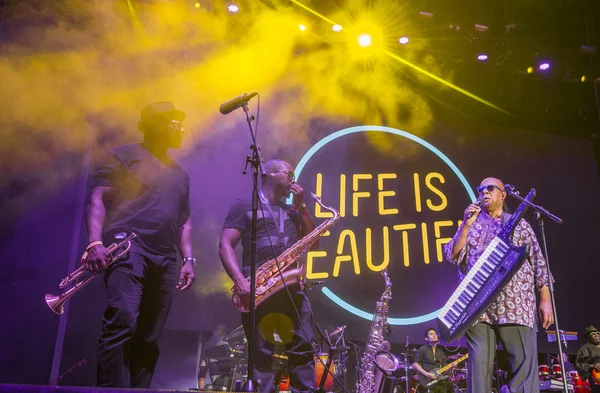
(65, 281)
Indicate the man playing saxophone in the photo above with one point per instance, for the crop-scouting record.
(279, 227)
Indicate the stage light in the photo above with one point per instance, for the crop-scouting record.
(197, 5)
(426, 14)
(583, 79)
(588, 49)
(530, 70)
(302, 27)
(365, 40)
(336, 28)
(233, 8)
(481, 28)
(482, 57)
(544, 66)
(403, 40)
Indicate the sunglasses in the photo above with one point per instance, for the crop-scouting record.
(489, 187)
(290, 174)
(178, 125)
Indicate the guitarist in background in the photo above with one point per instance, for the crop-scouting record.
(429, 358)
(588, 357)
(511, 317)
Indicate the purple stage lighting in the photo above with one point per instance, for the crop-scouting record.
(544, 66)
(482, 57)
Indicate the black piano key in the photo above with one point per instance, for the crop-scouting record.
(472, 288)
(479, 279)
(456, 307)
(451, 316)
(463, 298)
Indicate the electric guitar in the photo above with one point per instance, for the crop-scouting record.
(439, 373)
(596, 376)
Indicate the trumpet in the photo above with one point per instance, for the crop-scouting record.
(80, 277)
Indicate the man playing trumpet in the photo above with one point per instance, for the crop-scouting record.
(139, 188)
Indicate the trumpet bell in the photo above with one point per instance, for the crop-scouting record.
(55, 303)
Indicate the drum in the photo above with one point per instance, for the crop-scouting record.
(579, 385)
(557, 371)
(544, 371)
(320, 369)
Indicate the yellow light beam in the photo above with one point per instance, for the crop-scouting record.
(415, 67)
(313, 12)
(446, 83)
(134, 19)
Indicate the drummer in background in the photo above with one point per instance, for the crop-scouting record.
(588, 357)
(554, 360)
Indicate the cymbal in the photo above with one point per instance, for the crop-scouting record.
(455, 357)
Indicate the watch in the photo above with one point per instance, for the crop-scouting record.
(190, 259)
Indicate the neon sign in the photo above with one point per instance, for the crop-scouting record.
(383, 210)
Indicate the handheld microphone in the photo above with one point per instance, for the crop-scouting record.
(478, 203)
(235, 103)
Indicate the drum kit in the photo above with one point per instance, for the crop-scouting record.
(551, 379)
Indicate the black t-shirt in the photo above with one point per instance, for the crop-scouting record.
(240, 218)
(151, 198)
(424, 357)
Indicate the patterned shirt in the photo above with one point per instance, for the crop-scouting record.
(516, 302)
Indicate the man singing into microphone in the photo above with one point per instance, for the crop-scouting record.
(511, 317)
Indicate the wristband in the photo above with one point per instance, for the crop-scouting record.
(93, 244)
(190, 259)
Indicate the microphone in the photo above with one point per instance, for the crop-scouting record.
(235, 103)
(478, 203)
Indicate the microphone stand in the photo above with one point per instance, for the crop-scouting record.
(257, 165)
(539, 214)
(406, 365)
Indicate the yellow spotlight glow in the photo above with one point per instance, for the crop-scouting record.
(530, 70)
(583, 78)
(336, 28)
(302, 27)
(365, 40)
(197, 5)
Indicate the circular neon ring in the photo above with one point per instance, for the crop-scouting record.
(352, 130)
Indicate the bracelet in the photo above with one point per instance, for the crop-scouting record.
(93, 244)
(190, 259)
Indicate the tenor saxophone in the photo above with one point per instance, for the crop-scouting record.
(377, 362)
(274, 274)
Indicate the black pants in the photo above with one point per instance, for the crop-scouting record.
(277, 320)
(440, 387)
(520, 343)
(140, 289)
